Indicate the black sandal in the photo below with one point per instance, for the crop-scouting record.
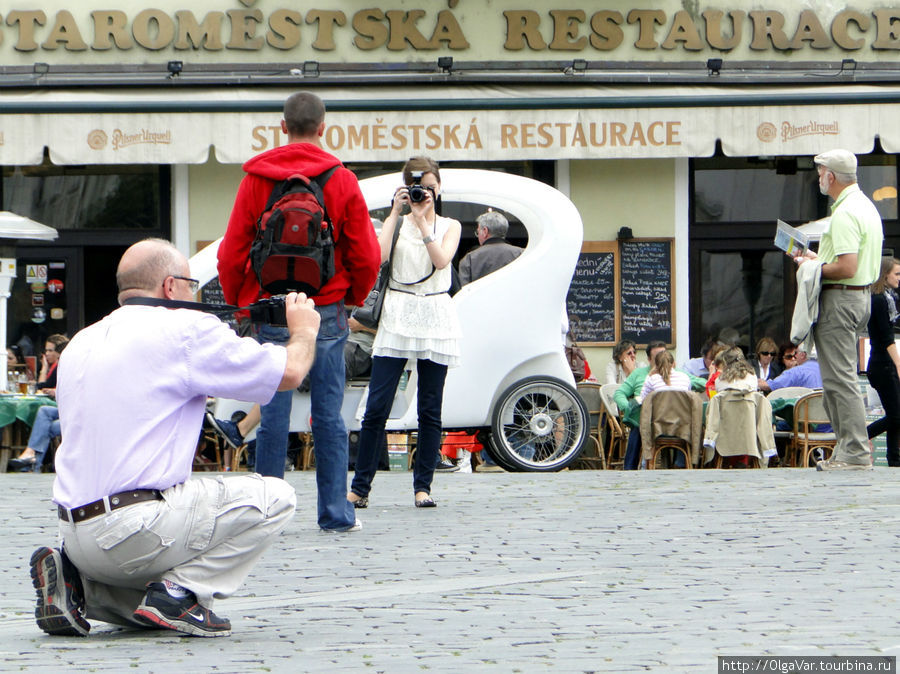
(426, 502)
(361, 502)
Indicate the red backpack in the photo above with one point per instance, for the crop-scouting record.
(294, 246)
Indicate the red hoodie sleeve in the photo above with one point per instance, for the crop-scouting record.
(357, 246)
(234, 251)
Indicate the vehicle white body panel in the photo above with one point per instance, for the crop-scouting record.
(512, 320)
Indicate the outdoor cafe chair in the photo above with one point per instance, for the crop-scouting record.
(590, 394)
(809, 411)
(788, 392)
(672, 420)
(615, 433)
(738, 423)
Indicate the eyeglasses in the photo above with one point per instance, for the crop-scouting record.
(768, 353)
(790, 356)
(192, 282)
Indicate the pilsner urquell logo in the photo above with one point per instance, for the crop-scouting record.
(790, 131)
(121, 139)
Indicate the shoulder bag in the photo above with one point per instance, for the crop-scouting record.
(369, 313)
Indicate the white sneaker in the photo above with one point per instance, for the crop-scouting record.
(464, 461)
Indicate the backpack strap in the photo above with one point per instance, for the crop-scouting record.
(317, 186)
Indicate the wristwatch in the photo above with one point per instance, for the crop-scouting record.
(427, 239)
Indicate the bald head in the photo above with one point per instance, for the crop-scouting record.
(146, 265)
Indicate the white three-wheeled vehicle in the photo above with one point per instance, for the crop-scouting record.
(514, 384)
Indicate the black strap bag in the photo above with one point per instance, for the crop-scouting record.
(369, 312)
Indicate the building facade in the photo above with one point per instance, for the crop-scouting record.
(691, 122)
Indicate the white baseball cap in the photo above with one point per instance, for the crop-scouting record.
(839, 161)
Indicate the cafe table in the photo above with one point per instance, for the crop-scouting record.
(17, 413)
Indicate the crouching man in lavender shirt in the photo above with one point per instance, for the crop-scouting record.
(143, 544)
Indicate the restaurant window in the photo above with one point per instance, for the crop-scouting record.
(97, 197)
(98, 211)
(740, 283)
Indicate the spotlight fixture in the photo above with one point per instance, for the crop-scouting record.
(848, 65)
(41, 68)
(445, 63)
(310, 69)
(714, 66)
(624, 234)
(175, 68)
(577, 66)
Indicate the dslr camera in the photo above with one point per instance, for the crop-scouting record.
(269, 310)
(418, 193)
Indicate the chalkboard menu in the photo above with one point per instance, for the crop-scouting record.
(646, 290)
(592, 294)
(212, 293)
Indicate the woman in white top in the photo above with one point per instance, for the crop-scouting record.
(664, 377)
(765, 363)
(623, 363)
(418, 322)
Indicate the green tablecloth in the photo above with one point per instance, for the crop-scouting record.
(24, 408)
(783, 408)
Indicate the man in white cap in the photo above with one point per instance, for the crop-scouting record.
(850, 253)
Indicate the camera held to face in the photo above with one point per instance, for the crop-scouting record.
(418, 193)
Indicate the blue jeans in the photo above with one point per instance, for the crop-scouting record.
(46, 427)
(326, 381)
(386, 374)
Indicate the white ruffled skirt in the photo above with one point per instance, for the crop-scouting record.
(422, 327)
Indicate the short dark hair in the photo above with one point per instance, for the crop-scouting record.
(303, 113)
(655, 344)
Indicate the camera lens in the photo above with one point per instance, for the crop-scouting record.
(417, 193)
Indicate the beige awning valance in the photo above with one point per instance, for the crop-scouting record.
(477, 123)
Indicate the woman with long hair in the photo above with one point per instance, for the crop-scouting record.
(418, 321)
(883, 368)
(765, 361)
(737, 373)
(664, 377)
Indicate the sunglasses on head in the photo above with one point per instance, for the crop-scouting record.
(768, 353)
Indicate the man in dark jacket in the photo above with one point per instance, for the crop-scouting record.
(493, 251)
(357, 258)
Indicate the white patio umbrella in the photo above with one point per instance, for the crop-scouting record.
(16, 227)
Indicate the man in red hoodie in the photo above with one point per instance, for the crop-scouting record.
(356, 257)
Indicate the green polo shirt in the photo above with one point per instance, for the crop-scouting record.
(631, 387)
(855, 228)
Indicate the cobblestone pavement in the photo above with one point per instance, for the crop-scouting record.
(579, 571)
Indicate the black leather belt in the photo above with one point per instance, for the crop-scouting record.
(410, 292)
(841, 286)
(116, 501)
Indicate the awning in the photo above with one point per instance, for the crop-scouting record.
(481, 123)
(13, 226)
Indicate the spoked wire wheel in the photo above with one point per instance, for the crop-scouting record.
(538, 424)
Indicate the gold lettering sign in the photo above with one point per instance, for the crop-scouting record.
(317, 30)
(476, 135)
